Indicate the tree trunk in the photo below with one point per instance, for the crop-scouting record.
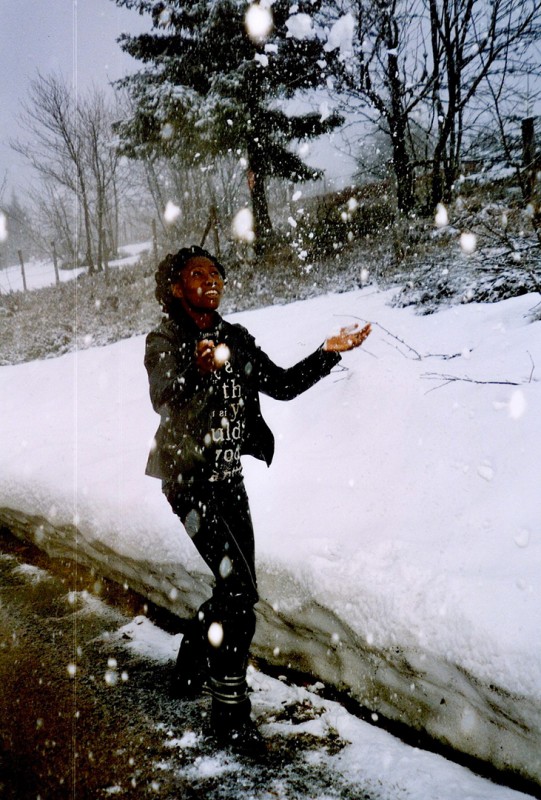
(438, 161)
(88, 228)
(398, 126)
(260, 209)
(405, 194)
(529, 158)
(114, 220)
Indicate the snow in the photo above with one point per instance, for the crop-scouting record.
(371, 758)
(341, 35)
(259, 22)
(243, 226)
(3, 227)
(38, 273)
(398, 532)
(300, 26)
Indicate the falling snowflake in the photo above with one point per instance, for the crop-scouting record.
(258, 22)
(171, 213)
(215, 634)
(243, 226)
(3, 227)
(222, 354)
(468, 243)
(442, 217)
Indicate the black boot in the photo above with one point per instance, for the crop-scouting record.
(190, 674)
(230, 718)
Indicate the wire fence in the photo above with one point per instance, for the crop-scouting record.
(29, 275)
(37, 274)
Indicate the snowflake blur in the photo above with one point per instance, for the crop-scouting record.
(215, 634)
(442, 218)
(3, 227)
(258, 23)
(468, 243)
(243, 226)
(171, 213)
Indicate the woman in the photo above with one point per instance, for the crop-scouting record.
(205, 377)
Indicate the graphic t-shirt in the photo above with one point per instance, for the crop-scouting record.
(226, 424)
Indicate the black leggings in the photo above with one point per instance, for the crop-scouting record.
(217, 517)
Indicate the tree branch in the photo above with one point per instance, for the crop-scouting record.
(416, 355)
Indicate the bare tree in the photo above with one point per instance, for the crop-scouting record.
(54, 211)
(514, 136)
(387, 77)
(70, 144)
(101, 162)
(55, 148)
(473, 42)
(217, 183)
(416, 67)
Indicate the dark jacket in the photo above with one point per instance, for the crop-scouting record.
(181, 394)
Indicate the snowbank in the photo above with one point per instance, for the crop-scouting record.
(398, 531)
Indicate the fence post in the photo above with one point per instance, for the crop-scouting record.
(155, 243)
(55, 263)
(22, 270)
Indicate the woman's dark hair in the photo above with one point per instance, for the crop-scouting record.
(170, 268)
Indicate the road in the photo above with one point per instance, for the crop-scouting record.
(84, 715)
(82, 718)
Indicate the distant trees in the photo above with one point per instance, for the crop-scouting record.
(211, 87)
(512, 136)
(69, 143)
(101, 161)
(472, 42)
(420, 71)
(184, 197)
(221, 109)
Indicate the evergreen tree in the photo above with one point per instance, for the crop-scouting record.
(211, 86)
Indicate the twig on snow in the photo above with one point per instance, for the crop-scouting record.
(417, 355)
(444, 356)
(454, 378)
(533, 367)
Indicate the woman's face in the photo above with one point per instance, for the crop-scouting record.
(199, 285)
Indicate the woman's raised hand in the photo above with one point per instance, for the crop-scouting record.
(347, 338)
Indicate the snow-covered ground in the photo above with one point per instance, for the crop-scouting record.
(39, 274)
(372, 760)
(398, 531)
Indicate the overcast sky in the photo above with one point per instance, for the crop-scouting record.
(78, 38)
(75, 38)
